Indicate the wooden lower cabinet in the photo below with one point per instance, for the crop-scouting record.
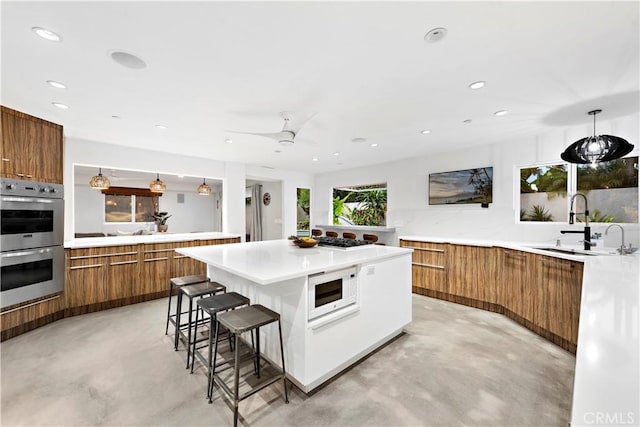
(156, 267)
(31, 315)
(429, 265)
(471, 272)
(123, 273)
(518, 282)
(558, 301)
(86, 274)
(540, 292)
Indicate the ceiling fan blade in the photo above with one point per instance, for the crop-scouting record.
(295, 124)
(284, 136)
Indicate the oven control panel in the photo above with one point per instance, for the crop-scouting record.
(20, 187)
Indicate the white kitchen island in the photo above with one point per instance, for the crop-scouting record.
(276, 274)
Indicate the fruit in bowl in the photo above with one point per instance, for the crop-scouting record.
(305, 242)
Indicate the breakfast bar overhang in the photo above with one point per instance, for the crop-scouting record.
(327, 324)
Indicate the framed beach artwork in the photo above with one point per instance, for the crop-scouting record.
(461, 187)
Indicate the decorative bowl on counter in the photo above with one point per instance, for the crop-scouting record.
(305, 242)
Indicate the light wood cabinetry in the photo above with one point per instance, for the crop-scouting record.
(558, 302)
(429, 265)
(517, 278)
(471, 272)
(540, 292)
(32, 148)
(86, 277)
(156, 267)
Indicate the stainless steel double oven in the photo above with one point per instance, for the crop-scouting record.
(31, 255)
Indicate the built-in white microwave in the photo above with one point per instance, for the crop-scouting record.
(332, 291)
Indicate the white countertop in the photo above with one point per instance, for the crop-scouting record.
(277, 260)
(606, 389)
(92, 242)
(533, 247)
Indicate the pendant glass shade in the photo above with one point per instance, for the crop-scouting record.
(157, 186)
(204, 189)
(596, 148)
(99, 182)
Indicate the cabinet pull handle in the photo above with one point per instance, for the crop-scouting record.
(152, 251)
(552, 263)
(428, 249)
(30, 305)
(80, 267)
(124, 262)
(29, 176)
(514, 254)
(156, 259)
(440, 267)
(180, 256)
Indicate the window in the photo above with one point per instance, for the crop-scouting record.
(543, 193)
(360, 205)
(611, 189)
(303, 208)
(123, 208)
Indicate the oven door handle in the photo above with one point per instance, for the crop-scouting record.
(27, 200)
(25, 253)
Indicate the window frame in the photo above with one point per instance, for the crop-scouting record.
(572, 188)
(133, 210)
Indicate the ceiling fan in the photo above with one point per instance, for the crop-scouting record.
(289, 130)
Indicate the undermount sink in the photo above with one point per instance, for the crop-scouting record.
(573, 251)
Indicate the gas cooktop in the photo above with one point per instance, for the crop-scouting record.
(341, 243)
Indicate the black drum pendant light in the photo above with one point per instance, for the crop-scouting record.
(596, 148)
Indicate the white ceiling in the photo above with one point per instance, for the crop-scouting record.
(363, 69)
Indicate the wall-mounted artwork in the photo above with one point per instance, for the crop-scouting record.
(460, 187)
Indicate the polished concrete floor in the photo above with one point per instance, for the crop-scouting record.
(455, 366)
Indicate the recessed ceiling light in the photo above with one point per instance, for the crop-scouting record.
(315, 159)
(425, 131)
(228, 141)
(477, 85)
(358, 140)
(374, 145)
(467, 121)
(127, 59)
(435, 35)
(60, 105)
(46, 34)
(336, 153)
(500, 113)
(56, 84)
(161, 126)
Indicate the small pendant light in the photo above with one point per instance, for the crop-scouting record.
(596, 148)
(99, 182)
(157, 186)
(204, 189)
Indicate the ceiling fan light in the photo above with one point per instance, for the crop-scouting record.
(157, 186)
(597, 148)
(287, 142)
(99, 182)
(204, 189)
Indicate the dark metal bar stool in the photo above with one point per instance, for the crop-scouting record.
(248, 319)
(212, 306)
(331, 234)
(178, 282)
(191, 292)
(349, 235)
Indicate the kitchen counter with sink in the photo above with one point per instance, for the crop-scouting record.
(607, 376)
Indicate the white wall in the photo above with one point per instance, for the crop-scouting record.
(410, 213)
(233, 176)
(290, 180)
